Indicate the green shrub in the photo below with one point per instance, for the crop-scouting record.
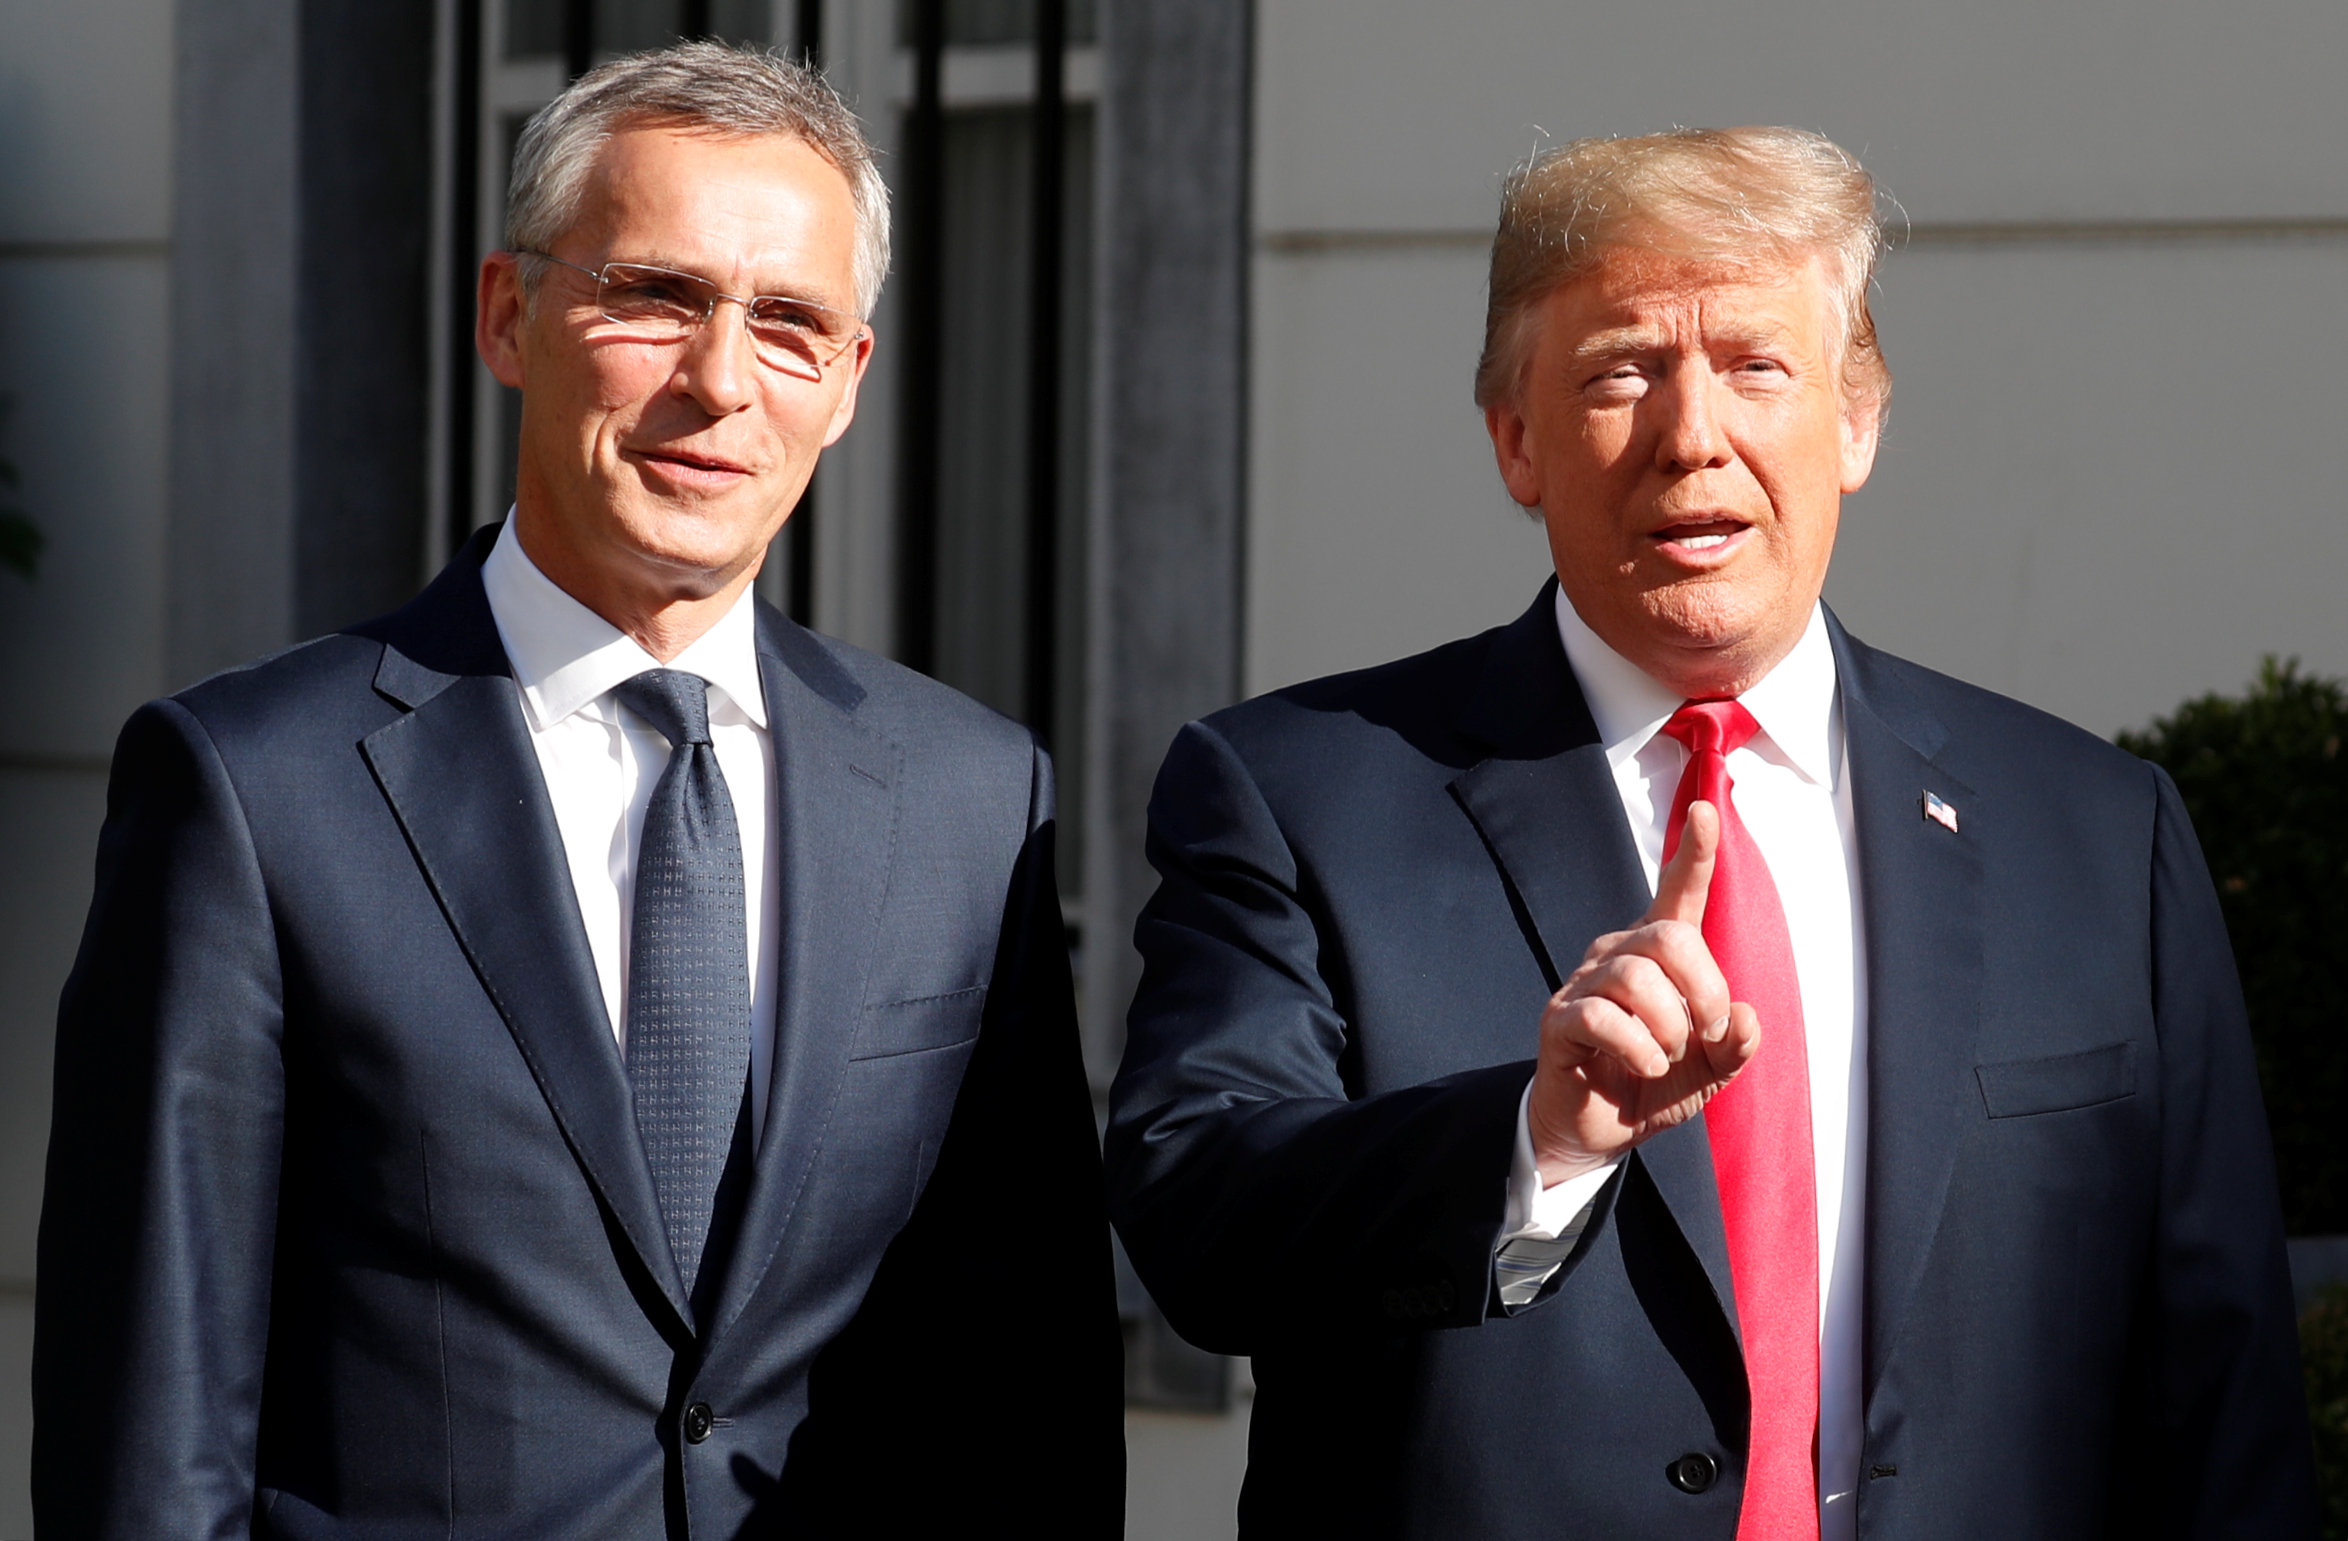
(2323, 1349)
(2265, 780)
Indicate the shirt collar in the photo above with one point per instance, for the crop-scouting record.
(1795, 703)
(567, 657)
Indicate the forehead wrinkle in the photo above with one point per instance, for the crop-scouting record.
(1647, 337)
(723, 224)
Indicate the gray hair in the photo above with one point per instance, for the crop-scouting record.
(1736, 195)
(711, 87)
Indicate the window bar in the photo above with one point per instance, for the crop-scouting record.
(1043, 369)
(464, 264)
(917, 524)
(799, 534)
(578, 37)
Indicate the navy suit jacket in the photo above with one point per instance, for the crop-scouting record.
(2077, 1321)
(348, 1231)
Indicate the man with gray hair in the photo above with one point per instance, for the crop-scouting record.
(584, 1056)
(1663, 1068)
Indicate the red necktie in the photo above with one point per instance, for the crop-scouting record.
(1760, 1128)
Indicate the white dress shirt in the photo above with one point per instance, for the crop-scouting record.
(601, 760)
(1792, 790)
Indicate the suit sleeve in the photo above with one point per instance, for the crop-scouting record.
(158, 1219)
(2228, 1453)
(1257, 1199)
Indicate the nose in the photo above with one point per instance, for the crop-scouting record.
(1693, 437)
(717, 368)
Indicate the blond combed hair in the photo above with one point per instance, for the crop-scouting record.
(1743, 196)
(698, 87)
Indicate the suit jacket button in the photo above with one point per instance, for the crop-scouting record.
(1693, 1472)
(698, 1422)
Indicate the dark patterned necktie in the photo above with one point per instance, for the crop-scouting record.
(688, 969)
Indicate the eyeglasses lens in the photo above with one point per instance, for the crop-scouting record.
(654, 301)
(794, 336)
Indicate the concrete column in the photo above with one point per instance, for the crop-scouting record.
(1167, 509)
(234, 291)
(301, 209)
(1170, 462)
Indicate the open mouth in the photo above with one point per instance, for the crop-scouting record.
(1699, 537)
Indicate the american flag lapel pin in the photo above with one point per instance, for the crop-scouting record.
(1940, 812)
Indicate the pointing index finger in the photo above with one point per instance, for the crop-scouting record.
(1686, 880)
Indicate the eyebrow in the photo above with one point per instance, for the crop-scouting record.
(801, 297)
(1614, 343)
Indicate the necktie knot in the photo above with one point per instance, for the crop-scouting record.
(674, 702)
(1712, 727)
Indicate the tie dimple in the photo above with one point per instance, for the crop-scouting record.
(674, 702)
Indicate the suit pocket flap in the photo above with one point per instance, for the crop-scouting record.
(930, 1022)
(2051, 1085)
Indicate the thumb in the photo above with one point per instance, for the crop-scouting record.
(1686, 882)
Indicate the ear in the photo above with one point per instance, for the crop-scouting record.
(500, 309)
(1862, 431)
(1512, 449)
(845, 412)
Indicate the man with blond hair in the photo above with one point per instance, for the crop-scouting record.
(584, 1056)
(1663, 1068)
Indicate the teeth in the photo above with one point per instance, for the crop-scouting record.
(1701, 542)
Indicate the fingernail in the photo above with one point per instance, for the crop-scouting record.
(1717, 1031)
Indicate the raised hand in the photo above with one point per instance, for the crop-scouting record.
(1644, 1032)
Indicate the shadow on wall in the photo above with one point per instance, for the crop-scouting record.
(20, 539)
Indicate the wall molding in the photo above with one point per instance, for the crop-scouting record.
(83, 251)
(38, 762)
(1903, 236)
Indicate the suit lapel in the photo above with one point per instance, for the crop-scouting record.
(462, 779)
(1921, 890)
(836, 813)
(1545, 802)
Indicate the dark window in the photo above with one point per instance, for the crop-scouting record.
(992, 500)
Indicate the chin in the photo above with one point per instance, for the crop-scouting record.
(1705, 616)
(692, 537)
(1709, 644)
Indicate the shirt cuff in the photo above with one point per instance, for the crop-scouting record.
(1541, 1213)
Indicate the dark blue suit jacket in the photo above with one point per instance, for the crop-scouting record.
(348, 1231)
(2077, 1320)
